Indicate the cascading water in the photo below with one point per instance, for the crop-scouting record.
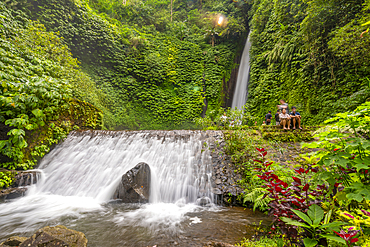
(92, 165)
(79, 177)
(241, 89)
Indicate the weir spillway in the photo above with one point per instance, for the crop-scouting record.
(90, 164)
(80, 175)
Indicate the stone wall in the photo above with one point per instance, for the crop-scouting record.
(224, 177)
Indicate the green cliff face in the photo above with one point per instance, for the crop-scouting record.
(39, 83)
(87, 65)
(310, 53)
(155, 73)
(161, 64)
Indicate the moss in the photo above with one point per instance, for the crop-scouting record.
(80, 115)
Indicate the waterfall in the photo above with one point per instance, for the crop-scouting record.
(241, 89)
(82, 173)
(92, 165)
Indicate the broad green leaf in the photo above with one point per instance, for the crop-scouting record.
(327, 217)
(366, 143)
(3, 143)
(22, 143)
(341, 196)
(334, 238)
(302, 216)
(316, 214)
(16, 132)
(356, 186)
(353, 196)
(361, 166)
(29, 126)
(334, 224)
(308, 242)
(294, 222)
(342, 162)
(38, 113)
(365, 192)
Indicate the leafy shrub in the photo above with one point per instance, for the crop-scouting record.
(6, 179)
(300, 195)
(346, 150)
(262, 242)
(38, 80)
(316, 225)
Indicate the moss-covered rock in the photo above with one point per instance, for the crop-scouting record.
(57, 236)
(13, 241)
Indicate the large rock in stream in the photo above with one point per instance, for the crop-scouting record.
(135, 185)
(19, 188)
(58, 236)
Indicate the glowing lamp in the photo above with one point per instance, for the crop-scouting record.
(220, 20)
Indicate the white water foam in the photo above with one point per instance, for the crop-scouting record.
(82, 173)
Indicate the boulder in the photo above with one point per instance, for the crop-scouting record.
(25, 178)
(216, 191)
(13, 241)
(12, 193)
(135, 185)
(58, 236)
(204, 201)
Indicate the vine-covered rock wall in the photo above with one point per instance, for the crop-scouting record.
(156, 74)
(39, 79)
(310, 53)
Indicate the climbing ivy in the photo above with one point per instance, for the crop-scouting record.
(311, 54)
(38, 80)
(156, 74)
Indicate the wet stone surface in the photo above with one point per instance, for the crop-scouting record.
(288, 154)
(18, 189)
(224, 178)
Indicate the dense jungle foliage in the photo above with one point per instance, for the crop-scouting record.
(314, 54)
(160, 64)
(157, 66)
(319, 196)
(38, 80)
(140, 65)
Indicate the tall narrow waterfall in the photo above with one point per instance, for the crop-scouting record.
(241, 89)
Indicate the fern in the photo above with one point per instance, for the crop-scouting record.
(256, 196)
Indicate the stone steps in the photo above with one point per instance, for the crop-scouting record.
(277, 133)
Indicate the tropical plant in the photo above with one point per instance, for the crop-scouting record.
(346, 150)
(317, 226)
(300, 195)
(348, 236)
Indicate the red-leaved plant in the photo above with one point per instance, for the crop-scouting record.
(297, 195)
(349, 236)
